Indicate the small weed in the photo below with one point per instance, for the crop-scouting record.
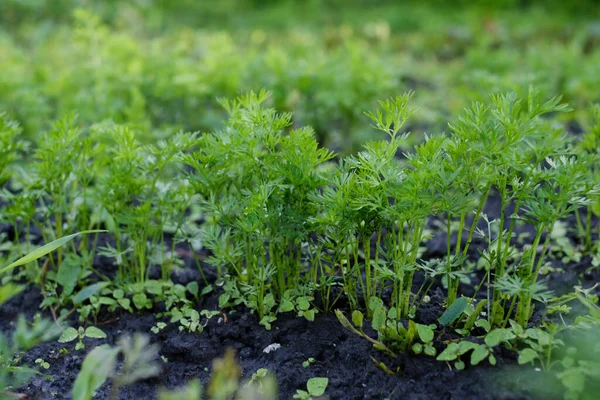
(71, 334)
(315, 388)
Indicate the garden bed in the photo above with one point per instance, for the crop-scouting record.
(218, 199)
(346, 359)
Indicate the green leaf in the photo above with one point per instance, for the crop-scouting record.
(430, 350)
(425, 333)
(479, 354)
(309, 315)
(527, 356)
(459, 365)
(357, 319)
(375, 302)
(542, 337)
(302, 395)
(498, 336)
(417, 348)
(223, 300)
(9, 290)
(21, 370)
(517, 329)
(94, 333)
(95, 370)
(193, 288)
(286, 306)
(450, 353)
(303, 303)
(193, 315)
(68, 335)
(464, 347)
(153, 287)
(88, 292)
(266, 321)
(482, 323)
(206, 290)
(379, 318)
(269, 302)
(67, 276)
(463, 332)
(497, 312)
(106, 301)
(344, 321)
(125, 303)
(316, 386)
(140, 300)
(454, 311)
(572, 379)
(45, 249)
(475, 314)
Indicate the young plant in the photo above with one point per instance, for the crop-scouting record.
(137, 202)
(511, 144)
(57, 158)
(589, 145)
(254, 179)
(373, 195)
(559, 193)
(70, 334)
(315, 388)
(11, 146)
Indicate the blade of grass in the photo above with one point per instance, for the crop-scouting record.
(45, 249)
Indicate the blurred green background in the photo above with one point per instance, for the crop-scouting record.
(161, 65)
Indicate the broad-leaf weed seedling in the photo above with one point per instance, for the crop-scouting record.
(315, 388)
(70, 334)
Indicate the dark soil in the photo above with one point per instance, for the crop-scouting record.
(343, 357)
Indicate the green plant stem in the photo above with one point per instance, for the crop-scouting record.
(525, 301)
(199, 266)
(59, 234)
(581, 231)
(588, 229)
(451, 294)
(499, 268)
(358, 272)
(510, 308)
(416, 306)
(377, 245)
(480, 207)
(367, 249)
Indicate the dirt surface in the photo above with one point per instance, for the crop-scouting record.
(343, 357)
